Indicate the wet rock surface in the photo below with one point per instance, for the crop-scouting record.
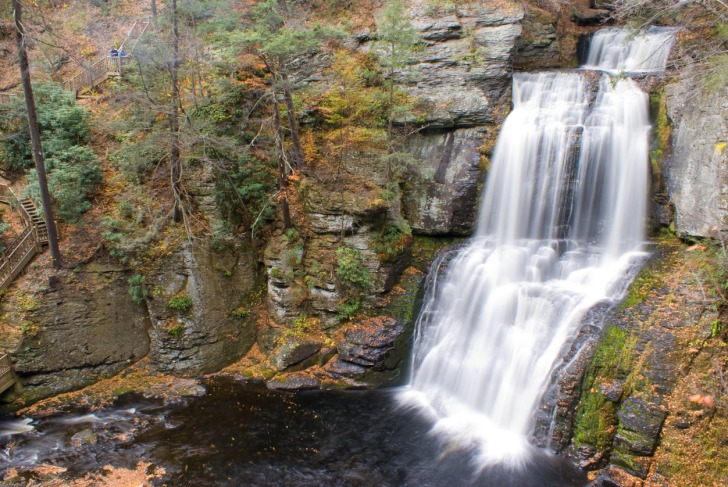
(439, 195)
(294, 350)
(294, 382)
(664, 312)
(369, 343)
(640, 423)
(368, 350)
(556, 413)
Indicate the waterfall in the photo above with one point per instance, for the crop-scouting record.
(617, 49)
(560, 223)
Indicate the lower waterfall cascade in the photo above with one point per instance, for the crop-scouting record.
(561, 222)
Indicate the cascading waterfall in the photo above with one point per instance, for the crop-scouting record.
(616, 49)
(560, 223)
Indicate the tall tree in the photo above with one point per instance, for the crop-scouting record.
(35, 135)
(174, 159)
(277, 35)
(397, 41)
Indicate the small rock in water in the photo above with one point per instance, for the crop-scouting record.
(338, 368)
(293, 382)
(84, 437)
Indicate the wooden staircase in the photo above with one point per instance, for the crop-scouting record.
(26, 245)
(107, 66)
(7, 376)
(100, 70)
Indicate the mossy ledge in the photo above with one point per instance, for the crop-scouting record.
(649, 381)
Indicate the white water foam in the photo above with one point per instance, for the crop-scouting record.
(16, 427)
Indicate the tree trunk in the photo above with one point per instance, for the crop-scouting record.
(174, 159)
(296, 150)
(35, 136)
(154, 8)
(282, 173)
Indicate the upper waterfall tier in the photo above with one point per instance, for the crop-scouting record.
(616, 49)
(569, 168)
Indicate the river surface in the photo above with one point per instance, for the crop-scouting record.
(243, 434)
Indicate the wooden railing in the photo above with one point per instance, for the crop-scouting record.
(20, 252)
(107, 66)
(136, 31)
(94, 74)
(7, 376)
(100, 70)
(8, 96)
(27, 244)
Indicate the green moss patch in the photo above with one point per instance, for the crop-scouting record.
(596, 418)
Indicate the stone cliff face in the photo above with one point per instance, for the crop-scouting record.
(84, 328)
(697, 171)
(463, 76)
(461, 79)
(200, 308)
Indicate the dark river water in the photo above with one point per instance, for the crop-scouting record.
(243, 434)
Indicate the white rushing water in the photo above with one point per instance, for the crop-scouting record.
(617, 49)
(561, 221)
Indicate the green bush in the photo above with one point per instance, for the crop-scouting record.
(137, 290)
(62, 124)
(240, 313)
(354, 278)
(349, 307)
(137, 157)
(243, 190)
(72, 167)
(393, 241)
(72, 180)
(176, 331)
(181, 302)
(350, 270)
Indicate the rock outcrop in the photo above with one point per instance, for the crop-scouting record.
(696, 173)
(462, 77)
(368, 352)
(200, 308)
(441, 193)
(84, 328)
(460, 82)
(626, 394)
(538, 46)
(464, 70)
